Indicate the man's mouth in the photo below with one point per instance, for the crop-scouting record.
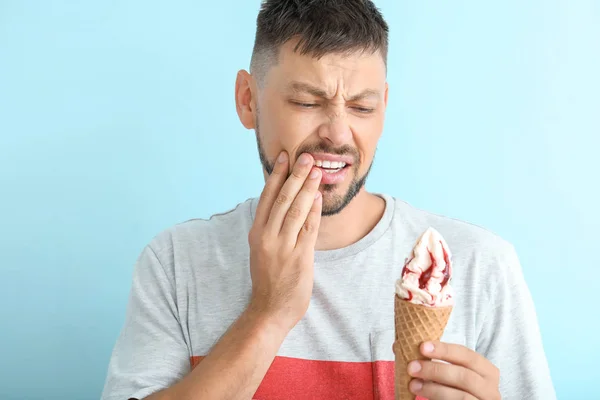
(330, 167)
(334, 167)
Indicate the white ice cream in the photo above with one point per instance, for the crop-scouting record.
(427, 273)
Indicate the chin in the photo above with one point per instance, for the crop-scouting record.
(334, 202)
(336, 197)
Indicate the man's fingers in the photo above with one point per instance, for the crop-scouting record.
(298, 211)
(460, 355)
(435, 391)
(449, 375)
(310, 228)
(272, 187)
(288, 192)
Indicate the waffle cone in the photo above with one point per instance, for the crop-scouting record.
(415, 324)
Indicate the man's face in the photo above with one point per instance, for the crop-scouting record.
(332, 108)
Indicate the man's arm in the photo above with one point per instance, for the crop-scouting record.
(282, 242)
(235, 366)
(510, 336)
(151, 356)
(151, 353)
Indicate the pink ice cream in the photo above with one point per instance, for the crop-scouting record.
(426, 274)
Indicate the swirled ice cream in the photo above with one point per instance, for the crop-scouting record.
(427, 272)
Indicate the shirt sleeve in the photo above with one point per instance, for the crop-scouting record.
(510, 336)
(151, 353)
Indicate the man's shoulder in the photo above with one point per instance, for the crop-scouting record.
(229, 226)
(463, 237)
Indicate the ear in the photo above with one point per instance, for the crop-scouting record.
(245, 102)
(385, 100)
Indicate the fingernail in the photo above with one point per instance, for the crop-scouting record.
(414, 367)
(314, 173)
(428, 348)
(304, 159)
(282, 157)
(317, 195)
(416, 385)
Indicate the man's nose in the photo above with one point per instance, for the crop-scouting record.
(336, 131)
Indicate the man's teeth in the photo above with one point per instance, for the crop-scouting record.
(330, 164)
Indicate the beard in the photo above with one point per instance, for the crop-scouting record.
(333, 203)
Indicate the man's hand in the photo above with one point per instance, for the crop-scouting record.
(468, 376)
(282, 242)
(282, 245)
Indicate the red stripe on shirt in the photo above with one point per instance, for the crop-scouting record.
(294, 378)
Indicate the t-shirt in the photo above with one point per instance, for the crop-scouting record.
(193, 281)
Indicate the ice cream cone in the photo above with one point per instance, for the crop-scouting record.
(415, 324)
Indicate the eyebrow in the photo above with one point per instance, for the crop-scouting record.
(301, 87)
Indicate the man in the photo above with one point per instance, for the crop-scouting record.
(290, 296)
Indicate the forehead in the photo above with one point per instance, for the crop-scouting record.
(332, 72)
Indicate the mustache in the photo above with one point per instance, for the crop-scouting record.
(345, 150)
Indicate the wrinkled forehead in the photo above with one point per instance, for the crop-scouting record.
(334, 72)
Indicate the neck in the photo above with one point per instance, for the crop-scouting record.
(353, 223)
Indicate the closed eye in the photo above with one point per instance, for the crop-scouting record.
(305, 105)
(363, 110)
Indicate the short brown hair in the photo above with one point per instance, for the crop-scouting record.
(322, 27)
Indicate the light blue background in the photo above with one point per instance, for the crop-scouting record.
(117, 120)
